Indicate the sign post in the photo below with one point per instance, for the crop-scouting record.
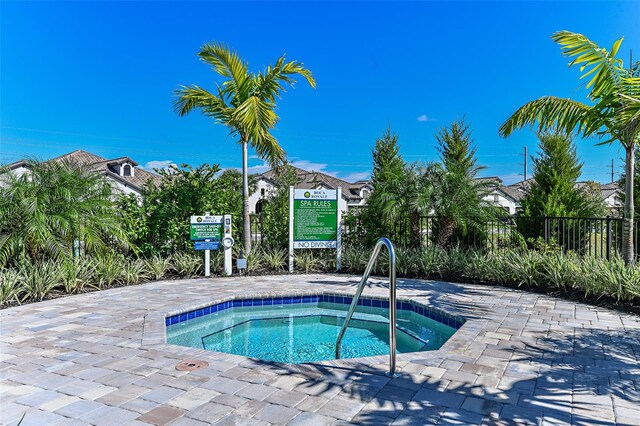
(208, 233)
(314, 221)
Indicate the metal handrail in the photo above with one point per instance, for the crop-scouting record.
(392, 302)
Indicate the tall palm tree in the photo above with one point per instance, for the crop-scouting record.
(612, 115)
(245, 102)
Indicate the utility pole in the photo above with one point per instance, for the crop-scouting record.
(525, 163)
(612, 169)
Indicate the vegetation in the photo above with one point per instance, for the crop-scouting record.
(275, 212)
(544, 270)
(54, 209)
(553, 191)
(159, 223)
(245, 102)
(613, 113)
(636, 185)
(458, 201)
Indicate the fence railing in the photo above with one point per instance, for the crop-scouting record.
(589, 236)
(592, 236)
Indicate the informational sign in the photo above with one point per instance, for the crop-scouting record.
(206, 245)
(212, 233)
(314, 221)
(206, 228)
(315, 218)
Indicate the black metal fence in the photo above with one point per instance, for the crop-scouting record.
(592, 236)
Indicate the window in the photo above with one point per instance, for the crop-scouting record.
(262, 192)
(496, 198)
(126, 170)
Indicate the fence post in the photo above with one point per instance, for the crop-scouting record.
(608, 238)
(546, 229)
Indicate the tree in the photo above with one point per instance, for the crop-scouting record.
(613, 113)
(245, 102)
(160, 222)
(553, 191)
(458, 198)
(45, 211)
(275, 213)
(636, 186)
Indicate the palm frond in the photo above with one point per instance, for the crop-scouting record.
(603, 67)
(550, 112)
(225, 62)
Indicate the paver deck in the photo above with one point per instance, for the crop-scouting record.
(521, 358)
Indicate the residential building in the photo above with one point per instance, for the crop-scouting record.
(122, 172)
(353, 194)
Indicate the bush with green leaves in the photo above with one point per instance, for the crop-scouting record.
(186, 265)
(157, 266)
(10, 286)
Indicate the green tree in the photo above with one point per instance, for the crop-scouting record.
(275, 213)
(45, 211)
(388, 174)
(613, 113)
(245, 102)
(458, 197)
(159, 223)
(553, 191)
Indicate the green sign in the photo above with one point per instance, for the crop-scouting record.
(207, 231)
(315, 219)
(206, 228)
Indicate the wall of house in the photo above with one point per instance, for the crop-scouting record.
(501, 201)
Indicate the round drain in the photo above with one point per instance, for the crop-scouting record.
(191, 365)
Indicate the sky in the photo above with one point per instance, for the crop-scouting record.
(100, 76)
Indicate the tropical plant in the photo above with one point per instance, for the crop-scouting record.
(77, 274)
(275, 259)
(636, 186)
(245, 102)
(134, 271)
(306, 261)
(186, 265)
(109, 269)
(458, 199)
(613, 113)
(157, 266)
(10, 286)
(40, 279)
(45, 211)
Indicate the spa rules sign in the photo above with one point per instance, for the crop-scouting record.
(314, 220)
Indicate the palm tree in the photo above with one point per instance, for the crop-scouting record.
(245, 102)
(613, 113)
(44, 212)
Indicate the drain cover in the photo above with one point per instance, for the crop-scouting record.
(191, 365)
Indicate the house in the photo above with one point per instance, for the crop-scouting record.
(608, 193)
(353, 194)
(122, 172)
(500, 195)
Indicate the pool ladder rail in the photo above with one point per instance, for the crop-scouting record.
(392, 302)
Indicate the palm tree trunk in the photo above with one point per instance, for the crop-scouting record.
(245, 201)
(628, 217)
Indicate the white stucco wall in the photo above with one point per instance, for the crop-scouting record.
(502, 201)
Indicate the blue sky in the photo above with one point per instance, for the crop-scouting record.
(100, 76)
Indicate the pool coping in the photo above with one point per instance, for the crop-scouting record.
(154, 334)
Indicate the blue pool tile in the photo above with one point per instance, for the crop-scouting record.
(199, 313)
(286, 300)
(167, 321)
(207, 310)
(376, 303)
(348, 300)
(175, 319)
(385, 304)
(367, 302)
(183, 317)
(191, 314)
(244, 302)
(267, 302)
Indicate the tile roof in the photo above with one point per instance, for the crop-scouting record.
(310, 180)
(102, 165)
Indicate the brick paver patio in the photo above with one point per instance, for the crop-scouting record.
(520, 358)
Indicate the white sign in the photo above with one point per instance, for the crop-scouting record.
(205, 219)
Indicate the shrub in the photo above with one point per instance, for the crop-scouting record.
(134, 271)
(77, 274)
(10, 286)
(186, 265)
(157, 266)
(275, 259)
(40, 279)
(109, 270)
